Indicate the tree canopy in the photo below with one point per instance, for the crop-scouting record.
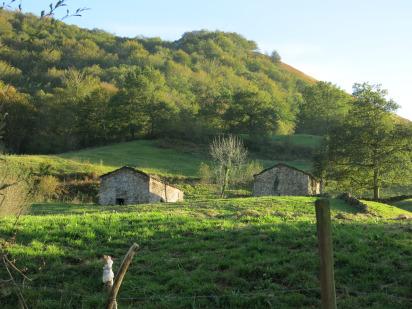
(369, 149)
(74, 88)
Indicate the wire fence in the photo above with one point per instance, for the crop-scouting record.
(341, 293)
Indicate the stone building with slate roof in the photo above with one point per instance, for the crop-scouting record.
(283, 179)
(127, 185)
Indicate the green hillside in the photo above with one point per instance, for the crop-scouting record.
(151, 156)
(67, 88)
(243, 253)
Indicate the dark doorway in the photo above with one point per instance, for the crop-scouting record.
(120, 201)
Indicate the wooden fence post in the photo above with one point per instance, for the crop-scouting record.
(324, 230)
(118, 279)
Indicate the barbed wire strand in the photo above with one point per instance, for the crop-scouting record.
(264, 293)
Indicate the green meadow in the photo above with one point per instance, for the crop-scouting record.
(147, 155)
(305, 140)
(222, 253)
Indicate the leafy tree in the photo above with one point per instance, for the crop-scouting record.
(93, 116)
(252, 111)
(143, 105)
(19, 119)
(275, 56)
(323, 106)
(370, 150)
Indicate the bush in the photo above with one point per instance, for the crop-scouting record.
(244, 175)
(48, 187)
(205, 173)
(84, 191)
(16, 188)
(275, 57)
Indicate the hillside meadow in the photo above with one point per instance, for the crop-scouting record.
(151, 156)
(222, 253)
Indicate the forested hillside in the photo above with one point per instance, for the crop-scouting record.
(67, 88)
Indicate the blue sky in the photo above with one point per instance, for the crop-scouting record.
(342, 41)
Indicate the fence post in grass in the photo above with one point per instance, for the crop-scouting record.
(111, 302)
(324, 231)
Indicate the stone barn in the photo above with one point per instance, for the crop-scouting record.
(283, 179)
(127, 185)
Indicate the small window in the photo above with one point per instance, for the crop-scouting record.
(120, 201)
(276, 184)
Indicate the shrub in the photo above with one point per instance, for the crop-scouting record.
(205, 173)
(16, 187)
(244, 175)
(84, 191)
(47, 188)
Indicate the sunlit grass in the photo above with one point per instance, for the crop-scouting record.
(142, 154)
(242, 252)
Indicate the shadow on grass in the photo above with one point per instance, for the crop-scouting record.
(304, 205)
(241, 262)
(405, 204)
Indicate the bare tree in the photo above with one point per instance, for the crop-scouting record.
(229, 154)
(50, 12)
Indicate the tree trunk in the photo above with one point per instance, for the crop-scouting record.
(375, 185)
(225, 181)
(152, 125)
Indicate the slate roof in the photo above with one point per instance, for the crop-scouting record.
(137, 172)
(126, 168)
(288, 166)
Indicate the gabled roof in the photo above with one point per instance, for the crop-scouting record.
(137, 172)
(288, 166)
(126, 168)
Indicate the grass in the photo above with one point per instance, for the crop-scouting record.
(58, 165)
(142, 154)
(304, 140)
(145, 155)
(233, 253)
(405, 204)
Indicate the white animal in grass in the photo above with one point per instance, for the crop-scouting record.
(108, 274)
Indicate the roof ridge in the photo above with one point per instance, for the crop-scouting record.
(126, 167)
(288, 166)
(155, 177)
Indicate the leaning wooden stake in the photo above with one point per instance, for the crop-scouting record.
(111, 302)
(327, 280)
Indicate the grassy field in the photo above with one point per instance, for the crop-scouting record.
(142, 154)
(233, 253)
(146, 155)
(306, 140)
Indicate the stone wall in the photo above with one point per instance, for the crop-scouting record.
(282, 180)
(353, 201)
(164, 193)
(126, 186)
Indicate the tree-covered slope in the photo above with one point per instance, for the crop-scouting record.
(66, 88)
